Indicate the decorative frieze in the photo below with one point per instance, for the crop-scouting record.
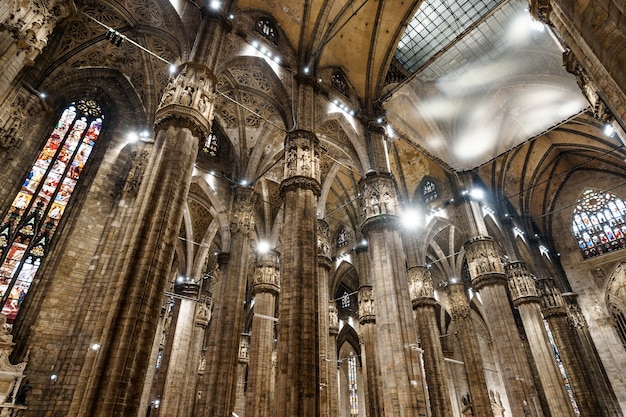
(188, 99)
(367, 312)
(521, 284)
(420, 285)
(483, 262)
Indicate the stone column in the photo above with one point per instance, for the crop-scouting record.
(328, 369)
(240, 386)
(470, 349)
(265, 288)
(113, 387)
(298, 345)
(369, 354)
(332, 360)
(24, 30)
(488, 277)
(401, 379)
(176, 381)
(424, 304)
(228, 312)
(526, 298)
(196, 360)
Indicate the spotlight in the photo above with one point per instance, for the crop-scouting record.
(410, 218)
(277, 59)
(172, 69)
(262, 246)
(114, 37)
(215, 4)
(231, 16)
(95, 347)
(132, 136)
(477, 193)
(609, 130)
(307, 70)
(43, 95)
(54, 377)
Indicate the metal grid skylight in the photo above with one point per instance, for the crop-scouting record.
(435, 25)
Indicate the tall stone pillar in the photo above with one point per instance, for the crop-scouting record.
(488, 277)
(461, 313)
(298, 345)
(196, 356)
(586, 350)
(242, 367)
(328, 369)
(332, 360)
(225, 332)
(586, 392)
(369, 354)
(526, 298)
(113, 386)
(24, 30)
(401, 379)
(176, 382)
(424, 304)
(265, 288)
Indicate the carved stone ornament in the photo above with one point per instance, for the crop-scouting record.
(521, 283)
(457, 301)
(10, 123)
(333, 318)
(367, 312)
(540, 10)
(11, 376)
(323, 238)
(379, 197)
(135, 176)
(302, 158)
(244, 348)
(242, 218)
(551, 300)
(420, 283)
(189, 98)
(31, 22)
(203, 312)
(483, 262)
(266, 276)
(575, 315)
(587, 86)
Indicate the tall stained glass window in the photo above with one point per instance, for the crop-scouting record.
(352, 386)
(34, 215)
(557, 355)
(598, 223)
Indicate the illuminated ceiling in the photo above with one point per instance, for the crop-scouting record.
(496, 86)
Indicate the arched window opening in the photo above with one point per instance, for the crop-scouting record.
(598, 223)
(557, 355)
(619, 321)
(429, 191)
(34, 215)
(352, 386)
(342, 237)
(266, 28)
(210, 146)
(339, 82)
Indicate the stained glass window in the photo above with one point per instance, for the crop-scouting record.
(267, 29)
(339, 82)
(568, 387)
(210, 145)
(345, 300)
(342, 238)
(598, 223)
(352, 386)
(619, 322)
(429, 191)
(34, 215)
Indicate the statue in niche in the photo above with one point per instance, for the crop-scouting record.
(185, 96)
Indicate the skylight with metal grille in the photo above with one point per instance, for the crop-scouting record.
(436, 24)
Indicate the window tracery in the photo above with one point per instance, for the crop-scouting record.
(429, 191)
(34, 215)
(211, 145)
(266, 28)
(352, 386)
(598, 223)
(338, 81)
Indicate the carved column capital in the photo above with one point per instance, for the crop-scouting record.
(203, 312)
(420, 286)
(242, 215)
(540, 10)
(552, 303)
(379, 201)
(521, 284)
(367, 312)
(458, 301)
(333, 319)
(188, 100)
(323, 239)
(483, 262)
(266, 274)
(575, 315)
(302, 162)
